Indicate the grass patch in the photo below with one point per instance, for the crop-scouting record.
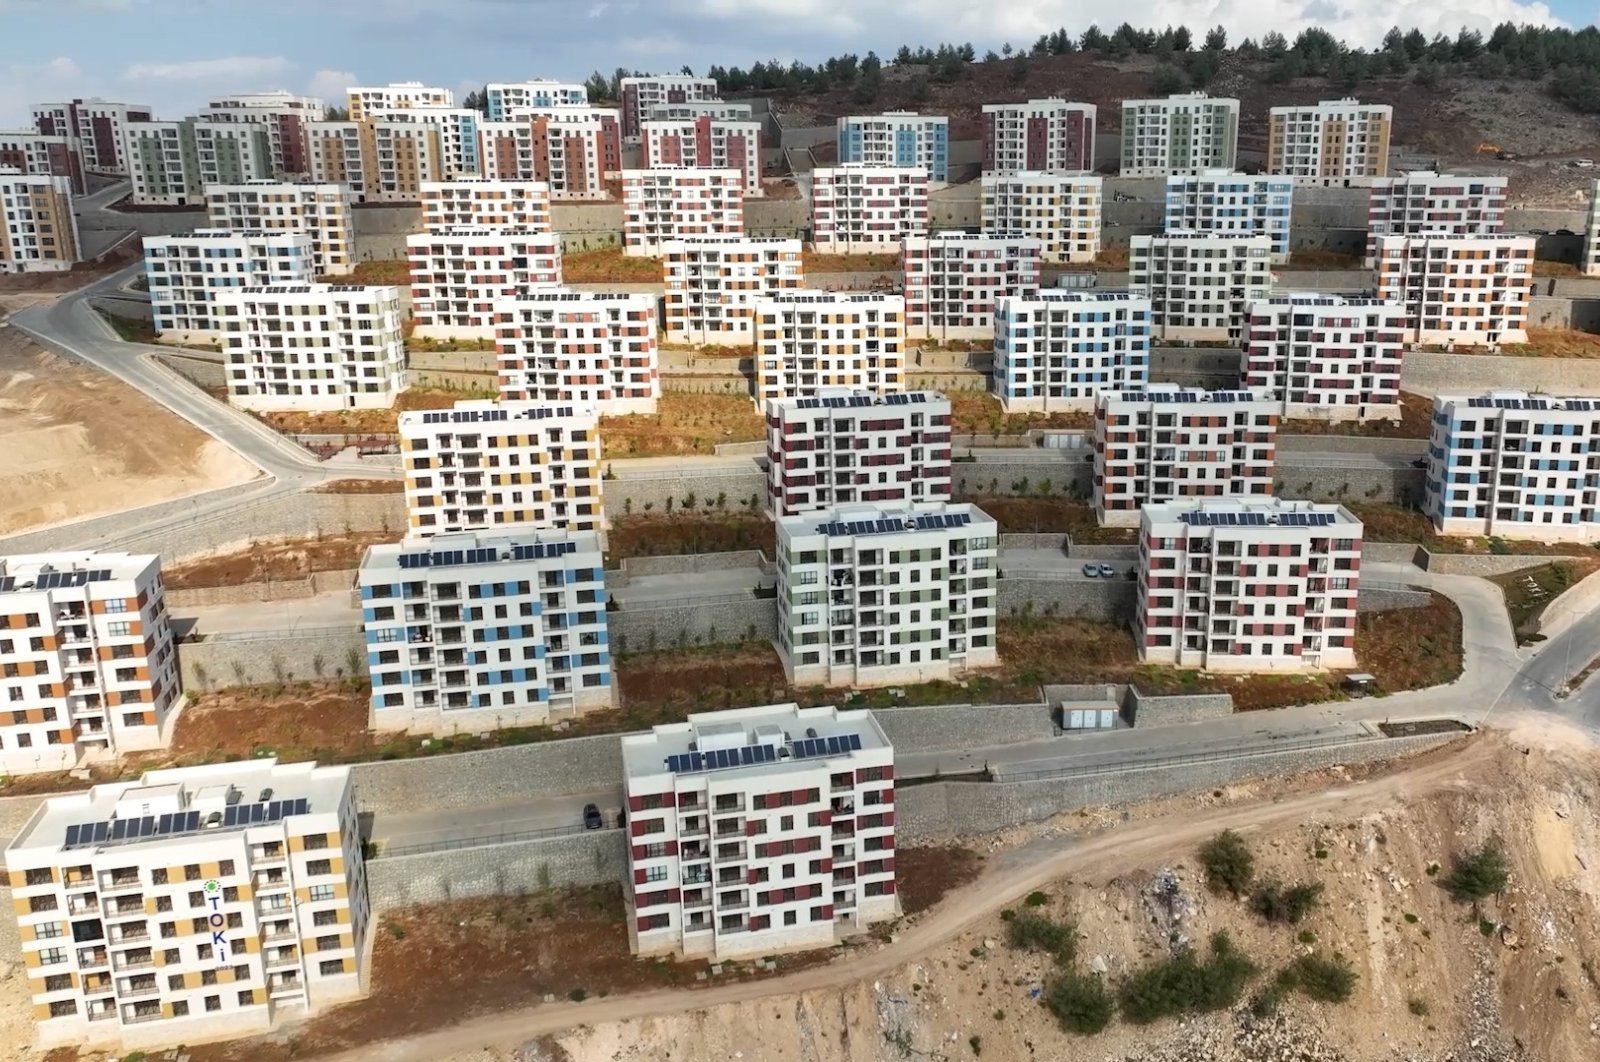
(608, 265)
(688, 529)
(980, 413)
(388, 271)
(1555, 343)
(1528, 591)
(130, 329)
(1415, 422)
(1046, 511)
(1411, 648)
(821, 262)
(683, 424)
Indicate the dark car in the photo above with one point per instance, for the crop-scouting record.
(592, 819)
(1565, 232)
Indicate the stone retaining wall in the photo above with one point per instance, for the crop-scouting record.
(280, 590)
(636, 567)
(594, 858)
(943, 727)
(1323, 483)
(694, 623)
(1145, 711)
(493, 776)
(272, 657)
(631, 493)
(1107, 600)
(1383, 598)
(1482, 565)
(1350, 444)
(1430, 374)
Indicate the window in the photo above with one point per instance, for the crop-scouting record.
(225, 868)
(180, 1008)
(325, 918)
(213, 1003)
(241, 973)
(197, 899)
(63, 1008)
(40, 877)
(174, 982)
(41, 903)
(191, 872)
(327, 943)
(329, 967)
(207, 977)
(119, 629)
(319, 866)
(51, 956)
(321, 892)
(158, 876)
(246, 998)
(58, 982)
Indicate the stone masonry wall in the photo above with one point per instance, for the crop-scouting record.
(493, 776)
(593, 858)
(942, 727)
(1429, 374)
(1107, 600)
(694, 623)
(283, 656)
(1145, 712)
(282, 590)
(631, 493)
(1325, 484)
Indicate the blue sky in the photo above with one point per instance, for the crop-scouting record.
(175, 54)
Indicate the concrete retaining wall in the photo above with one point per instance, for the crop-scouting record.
(1392, 553)
(1108, 600)
(513, 869)
(282, 590)
(632, 492)
(725, 621)
(1429, 374)
(942, 727)
(1483, 565)
(275, 656)
(493, 776)
(475, 361)
(205, 373)
(1382, 599)
(1401, 486)
(1144, 711)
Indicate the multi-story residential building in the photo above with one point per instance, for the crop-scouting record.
(689, 110)
(38, 231)
(321, 210)
(575, 150)
(1589, 261)
(1051, 135)
(667, 203)
(335, 156)
(714, 282)
(841, 446)
(231, 152)
(367, 101)
(860, 209)
(460, 138)
(1248, 585)
(508, 99)
(1061, 350)
(1337, 143)
(872, 595)
(1472, 290)
(195, 903)
(1184, 133)
(810, 340)
(898, 139)
(90, 665)
(482, 630)
(285, 117)
(1060, 210)
(1199, 285)
(1225, 203)
(644, 91)
(187, 272)
(96, 125)
(801, 852)
(486, 203)
(707, 143)
(1427, 202)
(312, 346)
(1166, 443)
(952, 280)
(162, 163)
(595, 349)
(1328, 357)
(460, 273)
(399, 155)
(30, 151)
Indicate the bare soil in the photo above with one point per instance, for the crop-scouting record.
(1048, 515)
(1396, 523)
(356, 422)
(1555, 343)
(608, 265)
(732, 526)
(820, 262)
(80, 275)
(1416, 422)
(683, 424)
(292, 558)
(361, 486)
(979, 412)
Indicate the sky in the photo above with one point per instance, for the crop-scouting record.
(176, 54)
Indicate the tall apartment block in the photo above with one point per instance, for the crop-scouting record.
(1326, 357)
(195, 903)
(842, 446)
(1166, 443)
(321, 210)
(707, 143)
(872, 595)
(312, 346)
(642, 92)
(32, 152)
(186, 273)
(460, 139)
(231, 152)
(367, 101)
(1050, 135)
(482, 630)
(1225, 203)
(335, 155)
(399, 156)
(714, 282)
(1060, 210)
(1337, 143)
(283, 115)
(1184, 133)
(1589, 261)
(508, 99)
(1248, 585)
(97, 125)
(1199, 285)
(1471, 290)
(758, 830)
(576, 150)
(595, 349)
(860, 209)
(1426, 202)
(898, 139)
(162, 163)
(667, 203)
(952, 280)
(461, 272)
(486, 203)
(810, 340)
(38, 231)
(1059, 351)
(90, 666)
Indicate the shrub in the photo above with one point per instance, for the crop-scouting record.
(1478, 874)
(1419, 1007)
(1036, 899)
(1228, 863)
(1320, 978)
(1307, 937)
(1080, 1003)
(1275, 903)
(1030, 931)
(578, 995)
(1183, 985)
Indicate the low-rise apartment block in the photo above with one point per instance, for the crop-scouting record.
(1060, 210)
(860, 209)
(1059, 351)
(1471, 290)
(1424, 202)
(1336, 143)
(186, 273)
(1050, 135)
(509, 99)
(486, 203)
(1589, 261)
(1225, 203)
(1326, 357)
(30, 151)
(758, 830)
(666, 203)
(707, 143)
(283, 115)
(714, 282)
(594, 349)
(38, 231)
(954, 278)
(460, 273)
(96, 125)
(898, 139)
(1184, 133)
(321, 210)
(367, 101)
(644, 91)
(1199, 285)
(809, 340)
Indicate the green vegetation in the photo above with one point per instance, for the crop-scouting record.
(1184, 985)
(1479, 874)
(1036, 899)
(1417, 1006)
(1275, 903)
(1081, 1003)
(1027, 931)
(1326, 980)
(1228, 862)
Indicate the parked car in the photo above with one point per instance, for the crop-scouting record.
(592, 819)
(1091, 571)
(1107, 572)
(1583, 164)
(1565, 232)
(1538, 232)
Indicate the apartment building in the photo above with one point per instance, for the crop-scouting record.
(689, 110)
(1168, 443)
(231, 152)
(801, 853)
(30, 151)
(1225, 203)
(667, 203)
(952, 280)
(714, 282)
(486, 203)
(1589, 261)
(369, 101)
(1199, 284)
(806, 341)
(38, 231)
(1059, 351)
(335, 156)
(460, 273)
(575, 150)
(312, 346)
(842, 446)
(707, 143)
(1184, 133)
(508, 99)
(1248, 585)
(594, 349)
(90, 666)
(398, 156)
(96, 125)
(1050, 135)
(1326, 357)
(897, 139)
(1468, 290)
(1426, 202)
(861, 209)
(1060, 210)
(486, 629)
(162, 162)
(174, 909)
(187, 272)
(872, 595)
(1337, 143)
(321, 210)
(283, 115)
(642, 92)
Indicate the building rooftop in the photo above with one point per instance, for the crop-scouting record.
(1521, 400)
(1243, 512)
(475, 548)
(869, 519)
(846, 398)
(801, 296)
(1072, 295)
(33, 572)
(752, 741)
(1170, 392)
(488, 411)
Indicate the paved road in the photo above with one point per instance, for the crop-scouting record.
(332, 609)
(426, 827)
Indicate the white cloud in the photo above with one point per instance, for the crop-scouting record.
(24, 84)
(655, 44)
(239, 68)
(329, 86)
(597, 10)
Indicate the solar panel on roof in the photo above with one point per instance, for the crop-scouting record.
(72, 835)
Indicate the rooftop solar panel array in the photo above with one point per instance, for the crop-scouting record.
(811, 748)
(1208, 518)
(920, 522)
(1582, 405)
(115, 831)
(899, 398)
(716, 759)
(56, 580)
(484, 555)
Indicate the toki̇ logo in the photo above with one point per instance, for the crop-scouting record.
(217, 920)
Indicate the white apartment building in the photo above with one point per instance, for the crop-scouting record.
(1328, 357)
(367, 101)
(897, 139)
(162, 162)
(1225, 203)
(1336, 143)
(859, 209)
(486, 203)
(33, 152)
(1060, 210)
(312, 346)
(952, 280)
(283, 115)
(594, 349)
(187, 272)
(96, 125)
(1184, 133)
(1248, 585)
(1050, 135)
(483, 630)
(461, 272)
(842, 446)
(1166, 443)
(508, 99)
(38, 230)
(688, 110)
(714, 282)
(758, 830)
(89, 664)
(644, 91)
(808, 340)
(1471, 290)
(666, 203)
(707, 143)
(460, 140)
(321, 210)
(1426, 202)
(1059, 351)
(196, 903)
(1199, 285)
(1589, 261)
